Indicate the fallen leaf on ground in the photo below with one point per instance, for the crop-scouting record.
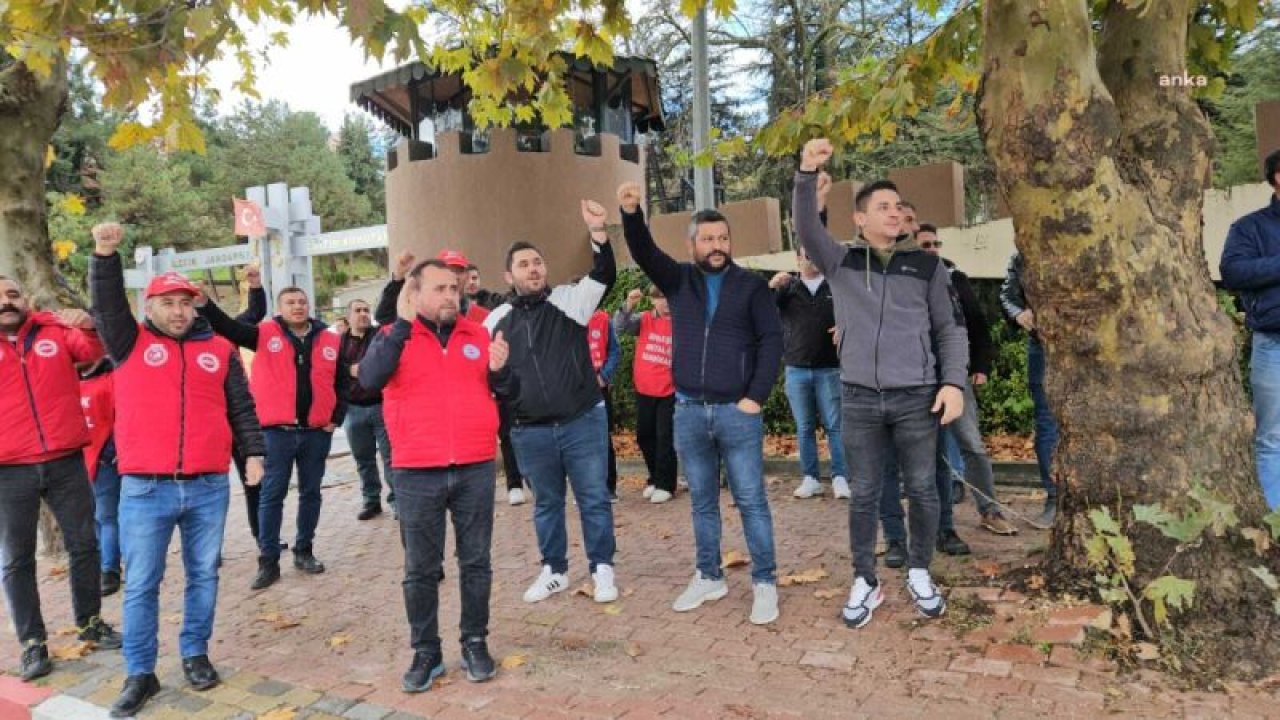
(826, 594)
(628, 592)
(804, 577)
(586, 590)
(1146, 651)
(57, 570)
(733, 559)
(988, 568)
(511, 662)
(287, 712)
(71, 652)
(68, 630)
(1035, 582)
(613, 609)
(339, 640)
(279, 621)
(633, 650)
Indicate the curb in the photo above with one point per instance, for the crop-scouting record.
(17, 697)
(65, 707)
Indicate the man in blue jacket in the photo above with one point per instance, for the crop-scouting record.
(1251, 264)
(727, 340)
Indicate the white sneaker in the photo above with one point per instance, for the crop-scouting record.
(648, 490)
(929, 602)
(700, 590)
(606, 591)
(764, 606)
(840, 488)
(515, 496)
(808, 487)
(547, 584)
(659, 496)
(863, 600)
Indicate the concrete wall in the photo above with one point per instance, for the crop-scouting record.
(936, 190)
(481, 203)
(756, 226)
(1267, 122)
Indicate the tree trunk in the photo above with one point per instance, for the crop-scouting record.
(30, 108)
(1104, 173)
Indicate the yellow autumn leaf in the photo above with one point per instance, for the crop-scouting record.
(62, 249)
(49, 156)
(339, 640)
(612, 609)
(71, 652)
(73, 204)
(804, 577)
(511, 662)
(733, 559)
(284, 712)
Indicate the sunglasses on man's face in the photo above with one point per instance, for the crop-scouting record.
(931, 245)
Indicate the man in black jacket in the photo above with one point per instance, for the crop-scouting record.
(181, 396)
(727, 340)
(559, 424)
(365, 426)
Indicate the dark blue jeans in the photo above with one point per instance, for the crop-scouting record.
(707, 434)
(307, 450)
(1046, 427)
(367, 437)
(814, 395)
(578, 450)
(465, 493)
(106, 507)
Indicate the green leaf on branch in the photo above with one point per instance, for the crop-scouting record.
(1122, 550)
(1103, 522)
(1221, 514)
(1169, 591)
(1272, 520)
(1268, 579)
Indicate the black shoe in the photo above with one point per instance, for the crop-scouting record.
(426, 667)
(35, 661)
(138, 689)
(199, 672)
(369, 512)
(102, 635)
(477, 661)
(896, 555)
(957, 493)
(306, 562)
(110, 582)
(268, 573)
(951, 544)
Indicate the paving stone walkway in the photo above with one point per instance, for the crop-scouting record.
(335, 645)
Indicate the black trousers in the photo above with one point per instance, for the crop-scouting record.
(510, 467)
(613, 457)
(655, 419)
(251, 492)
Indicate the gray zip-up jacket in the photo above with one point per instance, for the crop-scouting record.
(900, 324)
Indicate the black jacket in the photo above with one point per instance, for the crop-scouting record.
(738, 354)
(352, 351)
(554, 381)
(119, 333)
(982, 351)
(807, 319)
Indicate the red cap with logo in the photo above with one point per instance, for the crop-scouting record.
(170, 282)
(453, 259)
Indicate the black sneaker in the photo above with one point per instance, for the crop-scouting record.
(102, 635)
(268, 573)
(110, 582)
(369, 512)
(200, 673)
(896, 554)
(477, 661)
(35, 660)
(138, 689)
(426, 667)
(951, 544)
(957, 493)
(306, 562)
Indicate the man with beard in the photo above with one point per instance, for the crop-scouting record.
(559, 426)
(365, 424)
(728, 345)
(181, 395)
(41, 459)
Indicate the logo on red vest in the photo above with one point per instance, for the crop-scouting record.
(329, 354)
(275, 344)
(208, 362)
(156, 355)
(46, 348)
(595, 334)
(470, 352)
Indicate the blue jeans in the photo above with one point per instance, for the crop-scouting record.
(367, 436)
(1046, 427)
(1264, 378)
(106, 506)
(892, 518)
(149, 510)
(814, 395)
(707, 434)
(308, 450)
(579, 450)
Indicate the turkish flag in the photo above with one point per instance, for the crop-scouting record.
(249, 220)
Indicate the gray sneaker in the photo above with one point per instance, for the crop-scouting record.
(1044, 521)
(700, 590)
(764, 608)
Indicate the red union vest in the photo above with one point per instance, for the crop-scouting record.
(40, 390)
(97, 402)
(651, 370)
(438, 407)
(171, 406)
(476, 313)
(274, 381)
(598, 338)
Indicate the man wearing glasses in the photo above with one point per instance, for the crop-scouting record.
(365, 429)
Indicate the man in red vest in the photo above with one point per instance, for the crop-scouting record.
(98, 402)
(41, 458)
(299, 382)
(655, 389)
(437, 371)
(602, 343)
(180, 397)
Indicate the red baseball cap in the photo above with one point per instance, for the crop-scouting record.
(454, 259)
(170, 282)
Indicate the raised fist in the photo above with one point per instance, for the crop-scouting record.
(816, 153)
(253, 276)
(629, 195)
(107, 237)
(404, 263)
(633, 299)
(593, 214)
(404, 304)
(779, 280)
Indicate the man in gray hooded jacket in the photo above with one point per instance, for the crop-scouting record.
(903, 361)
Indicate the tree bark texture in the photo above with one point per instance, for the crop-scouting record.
(1104, 173)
